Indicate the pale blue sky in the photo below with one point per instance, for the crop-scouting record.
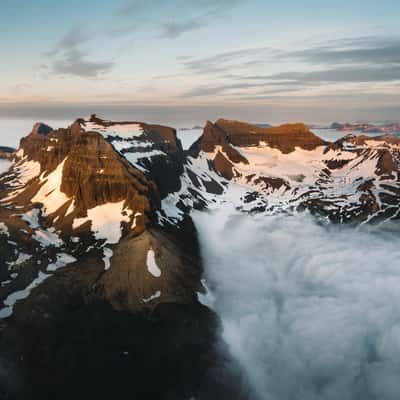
(308, 58)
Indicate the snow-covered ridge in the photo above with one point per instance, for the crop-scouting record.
(351, 180)
(124, 131)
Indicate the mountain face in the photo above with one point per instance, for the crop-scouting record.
(100, 266)
(354, 180)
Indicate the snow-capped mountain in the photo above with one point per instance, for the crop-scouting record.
(289, 169)
(99, 255)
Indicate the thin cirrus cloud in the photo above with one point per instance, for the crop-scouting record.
(374, 51)
(224, 61)
(367, 50)
(346, 61)
(140, 7)
(173, 30)
(193, 15)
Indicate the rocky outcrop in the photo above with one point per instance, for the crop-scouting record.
(162, 137)
(213, 136)
(224, 138)
(227, 133)
(284, 138)
(154, 149)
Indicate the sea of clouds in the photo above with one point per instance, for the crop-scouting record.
(311, 312)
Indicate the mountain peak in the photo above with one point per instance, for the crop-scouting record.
(41, 129)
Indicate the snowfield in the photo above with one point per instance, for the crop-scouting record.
(121, 130)
(50, 194)
(105, 221)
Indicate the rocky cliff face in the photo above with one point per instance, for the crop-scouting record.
(99, 257)
(225, 138)
(103, 287)
(289, 169)
(153, 149)
(284, 138)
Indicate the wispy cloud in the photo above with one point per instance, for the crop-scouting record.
(75, 37)
(139, 7)
(68, 58)
(173, 30)
(75, 62)
(346, 61)
(193, 15)
(228, 60)
(348, 75)
(363, 50)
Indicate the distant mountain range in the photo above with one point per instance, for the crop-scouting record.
(366, 127)
(100, 265)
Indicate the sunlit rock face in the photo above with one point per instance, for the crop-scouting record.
(83, 252)
(289, 169)
(96, 231)
(71, 195)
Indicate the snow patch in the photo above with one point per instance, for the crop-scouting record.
(50, 194)
(47, 238)
(121, 130)
(26, 171)
(10, 301)
(106, 221)
(152, 266)
(135, 157)
(108, 253)
(156, 295)
(22, 257)
(32, 218)
(63, 259)
(4, 229)
(134, 220)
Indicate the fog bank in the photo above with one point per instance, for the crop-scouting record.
(311, 312)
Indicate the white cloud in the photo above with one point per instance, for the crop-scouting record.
(312, 312)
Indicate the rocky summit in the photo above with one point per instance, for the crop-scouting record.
(102, 292)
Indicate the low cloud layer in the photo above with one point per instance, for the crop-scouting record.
(311, 312)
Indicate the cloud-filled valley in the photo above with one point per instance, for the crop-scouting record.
(311, 311)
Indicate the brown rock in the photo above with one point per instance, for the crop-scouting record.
(284, 138)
